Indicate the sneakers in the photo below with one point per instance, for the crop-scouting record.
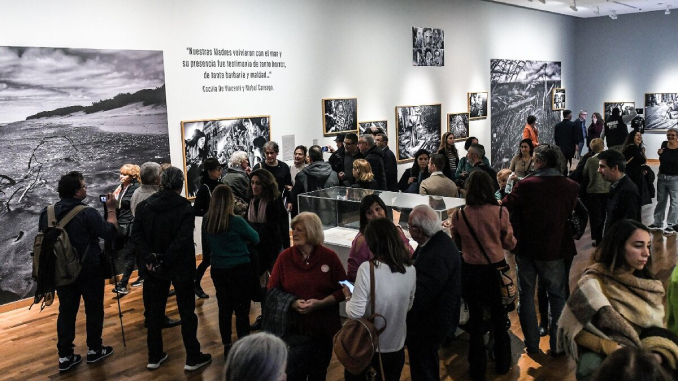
(200, 293)
(94, 356)
(66, 363)
(669, 230)
(154, 364)
(120, 290)
(138, 283)
(654, 227)
(201, 360)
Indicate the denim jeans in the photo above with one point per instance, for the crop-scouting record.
(554, 275)
(667, 187)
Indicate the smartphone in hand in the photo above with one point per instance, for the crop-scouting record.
(347, 284)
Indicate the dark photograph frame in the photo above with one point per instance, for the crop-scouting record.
(340, 115)
(458, 125)
(558, 99)
(417, 127)
(382, 125)
(477, 105)
(428, 46)
(220, 138)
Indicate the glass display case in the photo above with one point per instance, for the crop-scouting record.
(339, 206)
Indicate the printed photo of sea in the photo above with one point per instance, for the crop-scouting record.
(63, 110)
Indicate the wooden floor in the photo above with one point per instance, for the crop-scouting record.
(28, 338)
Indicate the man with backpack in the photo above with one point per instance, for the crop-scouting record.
(83, 231)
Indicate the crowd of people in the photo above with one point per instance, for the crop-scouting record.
(616, 308)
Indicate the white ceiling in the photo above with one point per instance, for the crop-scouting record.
(597, 8)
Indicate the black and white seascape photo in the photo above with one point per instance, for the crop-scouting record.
(63, 110)
(220, 138)
(627, 110)
(661, 111)
(340, 116)
(428, 46)
(558, 100)
(520, 88)
(477, 105)
(457, 124)
(418, 128)
(373, 126)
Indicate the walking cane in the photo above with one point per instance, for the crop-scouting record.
(108, 250)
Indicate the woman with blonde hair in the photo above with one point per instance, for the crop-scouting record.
(129, 182)
(225, 237)
(311, 273)
(362, 173)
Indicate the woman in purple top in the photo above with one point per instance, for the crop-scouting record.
(371, 208)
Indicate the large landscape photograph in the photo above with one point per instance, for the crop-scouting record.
(62, 110)
(519, 89)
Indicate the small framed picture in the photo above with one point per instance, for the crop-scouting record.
(428, 46)
(374, 126)
(457, 124)
(661, 111)
(627, 109)
(477, 105)
(340, 116)
(558, 99)
(417, 127)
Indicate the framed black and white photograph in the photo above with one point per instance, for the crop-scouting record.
(63, 109)
(477, 105)
(418, 127)
(373, 126)
(428, 46)
(558, 99)
(340, 116)
(520, 88)
(661, 111)
(220, 138)
(627, 110)
(457, 124)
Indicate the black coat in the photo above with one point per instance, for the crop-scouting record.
(124, 207)
(204, 195)
(435, 311)
(337, 160)
(164, 225)
(623, 201)
(391, 169)
(375, 157)
(566, 137)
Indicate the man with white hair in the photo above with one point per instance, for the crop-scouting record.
(236, 174)
(435, 311)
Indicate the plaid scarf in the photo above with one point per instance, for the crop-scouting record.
(624, 304)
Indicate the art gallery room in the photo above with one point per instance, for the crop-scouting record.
(90, 85)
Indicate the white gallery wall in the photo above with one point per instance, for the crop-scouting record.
(621, 60)
(348, 48)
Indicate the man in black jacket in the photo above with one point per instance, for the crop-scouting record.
(317, 175)
(163, 233)
(390, 162)
(375, 157)
(337, 158)
(435, 311)
(84, 231)
(623, 201)
(566, 137)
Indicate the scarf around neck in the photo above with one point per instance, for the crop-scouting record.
(257, 215)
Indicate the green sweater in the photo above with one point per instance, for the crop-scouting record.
(229, 248)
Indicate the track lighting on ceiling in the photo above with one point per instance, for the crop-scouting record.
(574, 6)
(542, 1)
(613, 15)
(667, 11)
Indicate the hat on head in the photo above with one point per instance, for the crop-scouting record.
(210, 164)
(340, 138)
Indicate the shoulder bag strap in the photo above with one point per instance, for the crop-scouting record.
(372, 305)
(64, 221)
(473, 233)
(51, 217)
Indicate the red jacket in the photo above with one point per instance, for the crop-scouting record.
(540, 205)
(313, 280)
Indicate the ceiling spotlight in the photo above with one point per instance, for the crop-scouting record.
(574, 6)
(613, 15)
(667, 11)
(597, 11)
(542, 1)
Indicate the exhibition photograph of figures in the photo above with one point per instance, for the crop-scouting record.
(428, 46)
(457, 124)
(372, 126)
(70, 109)
(661, 111)
(418, 127)
(477, 105)
(519, 89)
(558, 99)
(340, 116)
(627, 109)
(220, 138)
